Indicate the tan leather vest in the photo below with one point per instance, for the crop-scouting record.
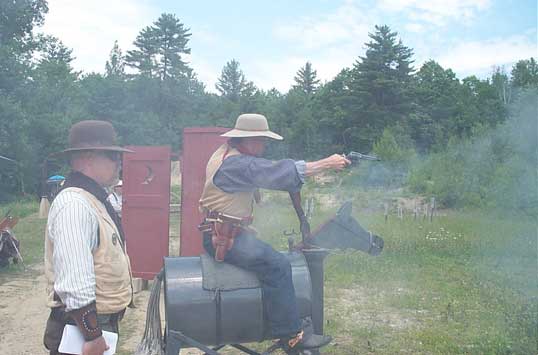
(113, 282)
(239, 204)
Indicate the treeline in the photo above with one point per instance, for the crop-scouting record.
(151, 93)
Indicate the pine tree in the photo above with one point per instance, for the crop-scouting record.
(143, 58)
(231, 82)
(306, 79)
(115, 65)
(55, 63)
(380, 85)
(160, 48)
(172, 38)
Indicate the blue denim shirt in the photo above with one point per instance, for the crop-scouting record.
(241, 173)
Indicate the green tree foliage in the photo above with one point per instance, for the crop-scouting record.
(380, 85)
(14, 144)
(495, 169)
(481, 106)
(302, 130)
(17, 46)
(159, 49)
(501, 83)
(332, 111)
(306, 79)
(388, 149)
(143, 57)
(18, 18)
(53, 105)
(380, 103)
(17, 42)
(231, 82)
(237, 94)
(525, 73)
(115, 65)
(172, 38)
(437, 97)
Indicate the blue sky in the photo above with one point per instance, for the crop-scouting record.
(273, 39)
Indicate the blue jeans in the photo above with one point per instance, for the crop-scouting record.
(274, 272)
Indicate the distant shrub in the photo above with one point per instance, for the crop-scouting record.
(497, 170)
(394, 148)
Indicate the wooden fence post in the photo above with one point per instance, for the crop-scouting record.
(432, 209)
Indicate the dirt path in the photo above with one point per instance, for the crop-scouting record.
(23, 313)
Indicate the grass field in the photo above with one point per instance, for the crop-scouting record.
(465, 283)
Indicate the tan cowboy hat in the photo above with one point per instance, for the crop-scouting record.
(251, 125)
(93, 135)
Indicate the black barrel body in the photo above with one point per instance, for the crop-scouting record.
(223, 317)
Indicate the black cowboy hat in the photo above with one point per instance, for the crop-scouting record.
(93, 135)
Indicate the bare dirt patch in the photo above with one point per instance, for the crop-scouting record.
(23, 313)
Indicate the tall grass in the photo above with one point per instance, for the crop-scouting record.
(20, 209)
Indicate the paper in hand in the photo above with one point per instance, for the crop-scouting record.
(73, 341)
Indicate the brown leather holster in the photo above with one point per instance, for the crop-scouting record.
(223, 228)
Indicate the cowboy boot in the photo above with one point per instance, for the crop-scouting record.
(303, 341)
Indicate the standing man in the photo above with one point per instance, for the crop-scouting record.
(86, 265)
(233, 175)
(115, 197)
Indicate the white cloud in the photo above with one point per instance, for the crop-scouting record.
(437, 11)
(469, 58)
(280, 73)
(414, 27)
(91, 27)
(268, 74)
(205, 35)
(331, 42)
(347, 23)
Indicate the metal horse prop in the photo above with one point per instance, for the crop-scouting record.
(209, 305)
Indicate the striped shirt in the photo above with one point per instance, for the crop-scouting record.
(73, 228)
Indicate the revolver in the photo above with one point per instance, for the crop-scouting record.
(355, 157)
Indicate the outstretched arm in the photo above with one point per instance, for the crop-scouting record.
(334, 162)
(246, 173)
